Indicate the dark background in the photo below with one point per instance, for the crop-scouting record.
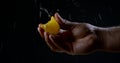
(21, 42)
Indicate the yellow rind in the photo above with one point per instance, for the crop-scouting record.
(51, 27)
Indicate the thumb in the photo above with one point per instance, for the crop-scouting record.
(62, 22)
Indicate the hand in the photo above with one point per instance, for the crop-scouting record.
(74, 38)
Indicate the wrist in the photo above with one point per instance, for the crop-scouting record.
(101, 34)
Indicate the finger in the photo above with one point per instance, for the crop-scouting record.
(61, 43)
(59, 19)
(41, 31)
(64, 24)
(49, 42)
(58, 49)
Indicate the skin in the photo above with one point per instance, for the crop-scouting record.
(81, 38)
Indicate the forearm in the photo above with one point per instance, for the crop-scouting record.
(109, 38)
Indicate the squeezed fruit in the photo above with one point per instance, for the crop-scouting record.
(51, 26)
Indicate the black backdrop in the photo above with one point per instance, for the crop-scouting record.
(20, 40)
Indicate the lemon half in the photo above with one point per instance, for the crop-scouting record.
(51, 26)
